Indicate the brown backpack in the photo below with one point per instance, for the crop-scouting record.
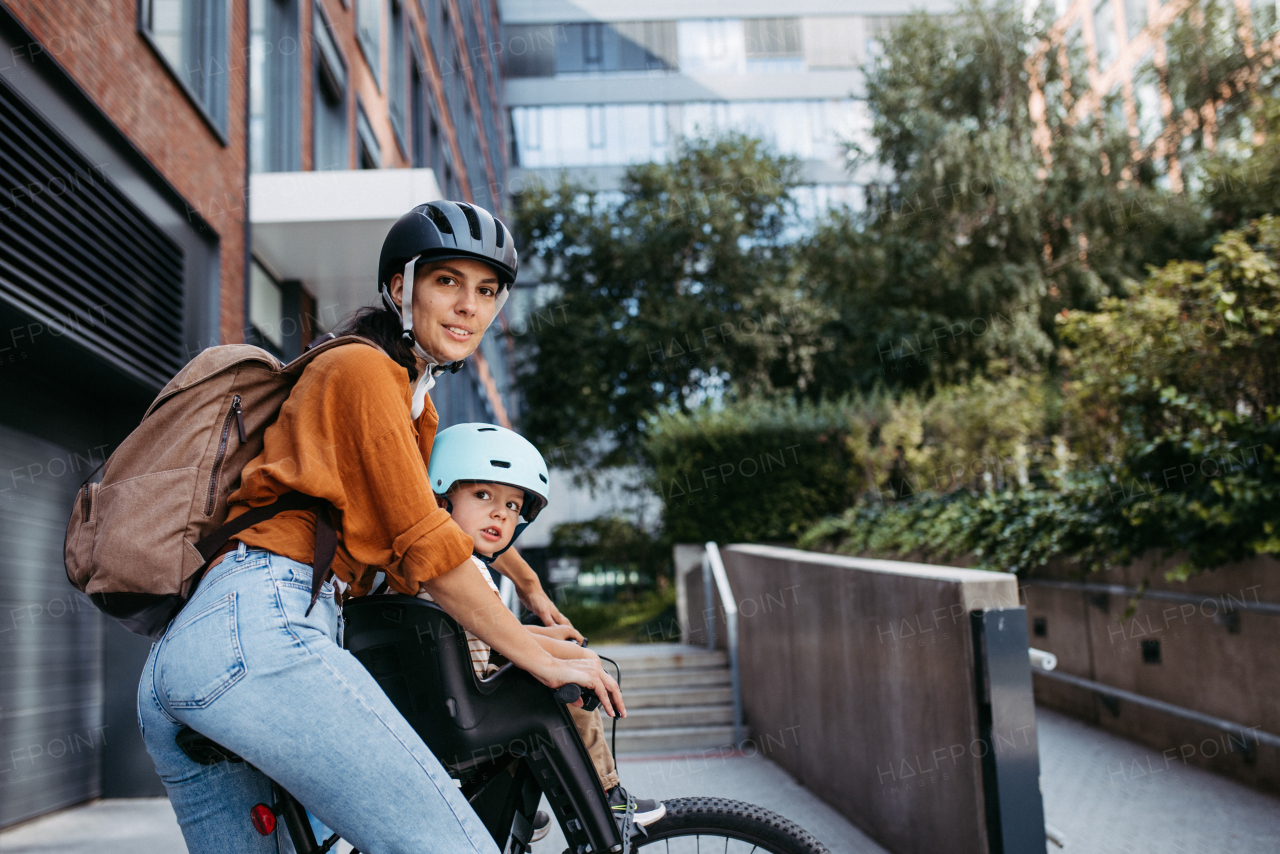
(139, 541)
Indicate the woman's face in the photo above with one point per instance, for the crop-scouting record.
(453, 303)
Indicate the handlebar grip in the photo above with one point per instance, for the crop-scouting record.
(571, 693)
(568, 693)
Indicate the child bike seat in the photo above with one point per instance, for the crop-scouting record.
(418, 654)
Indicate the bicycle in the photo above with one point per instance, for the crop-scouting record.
(508, 740)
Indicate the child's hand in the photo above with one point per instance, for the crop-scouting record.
(560, 633)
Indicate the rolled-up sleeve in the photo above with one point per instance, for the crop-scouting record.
(345, 435)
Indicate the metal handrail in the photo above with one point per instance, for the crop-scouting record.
(714, 576)
(1246, 734)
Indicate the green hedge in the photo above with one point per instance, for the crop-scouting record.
(755, 472)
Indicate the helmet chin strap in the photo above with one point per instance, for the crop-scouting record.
(488, 560)
(432, 366)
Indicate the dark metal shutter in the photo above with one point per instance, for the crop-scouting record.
(80, 256)
(51, 733)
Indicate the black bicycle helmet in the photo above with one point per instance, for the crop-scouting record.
(440, 230)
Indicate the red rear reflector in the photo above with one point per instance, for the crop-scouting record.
(264, 820)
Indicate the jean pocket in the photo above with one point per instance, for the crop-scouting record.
(301, 576)
(201, 658)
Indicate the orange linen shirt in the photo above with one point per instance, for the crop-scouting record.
(345, 435)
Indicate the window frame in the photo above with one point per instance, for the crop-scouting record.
(399, 108)
(328, 63)
(372, 52)
(207, 115)
(282, 110)
(366, 139)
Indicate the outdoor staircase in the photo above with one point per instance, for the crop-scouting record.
(679, 698)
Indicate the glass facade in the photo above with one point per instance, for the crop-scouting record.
(623, 134)
(697, 46)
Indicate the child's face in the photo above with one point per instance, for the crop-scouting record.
(487, 512)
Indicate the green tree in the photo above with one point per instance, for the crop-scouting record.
(987, 219)
(668, 293)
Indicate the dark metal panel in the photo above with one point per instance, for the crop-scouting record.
(1007, 722)
(77, 253)
(51, 729)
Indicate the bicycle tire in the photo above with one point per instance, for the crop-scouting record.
(724, 819)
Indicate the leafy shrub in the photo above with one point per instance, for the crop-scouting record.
(1172, 411)
(756, 471)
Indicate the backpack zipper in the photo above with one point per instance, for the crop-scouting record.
(88, 508)
(238, 414)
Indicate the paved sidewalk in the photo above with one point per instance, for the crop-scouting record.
(1094, 793)
(754, 780)
(1111, 796)
(133, 826)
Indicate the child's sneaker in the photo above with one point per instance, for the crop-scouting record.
(629, 809)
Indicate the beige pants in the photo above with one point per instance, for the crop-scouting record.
(591, 728)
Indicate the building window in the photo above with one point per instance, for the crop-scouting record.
(530, 50)
(529, 127)
(1135, 16)
(418, 114)
(191, 36)
(595, 126)
(658, 125)
(580, 48)
(592, 46)
(368, 151)
(369, 34)
(398, 82)
(329, 115)
(772, 38)
(266, 310)
(1104, 34)
(439, 160)
(275, 86)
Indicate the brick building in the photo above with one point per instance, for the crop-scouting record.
(176, 174)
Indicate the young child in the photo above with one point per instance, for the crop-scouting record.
(487, 477)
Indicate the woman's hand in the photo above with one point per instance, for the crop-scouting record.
(588, 673)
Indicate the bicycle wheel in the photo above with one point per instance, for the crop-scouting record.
(705, 825)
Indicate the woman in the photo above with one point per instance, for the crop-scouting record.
(249, 664)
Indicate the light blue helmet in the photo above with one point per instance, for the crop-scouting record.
(490, 454)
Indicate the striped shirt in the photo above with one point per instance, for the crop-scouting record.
(479, 649)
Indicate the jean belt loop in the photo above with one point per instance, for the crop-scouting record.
(241, 552)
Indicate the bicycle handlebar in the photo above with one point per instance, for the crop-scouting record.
(570, 693)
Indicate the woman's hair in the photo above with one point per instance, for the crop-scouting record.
(381, 326)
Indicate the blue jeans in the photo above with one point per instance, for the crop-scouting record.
(242, 665)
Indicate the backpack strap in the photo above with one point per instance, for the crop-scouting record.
(326, 537)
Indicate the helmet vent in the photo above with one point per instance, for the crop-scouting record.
(502, 232)
(473, 221)
(502, 464)
(487, 430)
(441, 221)
(542, 477)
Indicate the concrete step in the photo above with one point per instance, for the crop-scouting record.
(687, 677)
(700, 695)
(673, 739)
(675, 716)
(634, 658)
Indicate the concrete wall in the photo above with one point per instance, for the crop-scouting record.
(1209, 662)
(857, 678)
